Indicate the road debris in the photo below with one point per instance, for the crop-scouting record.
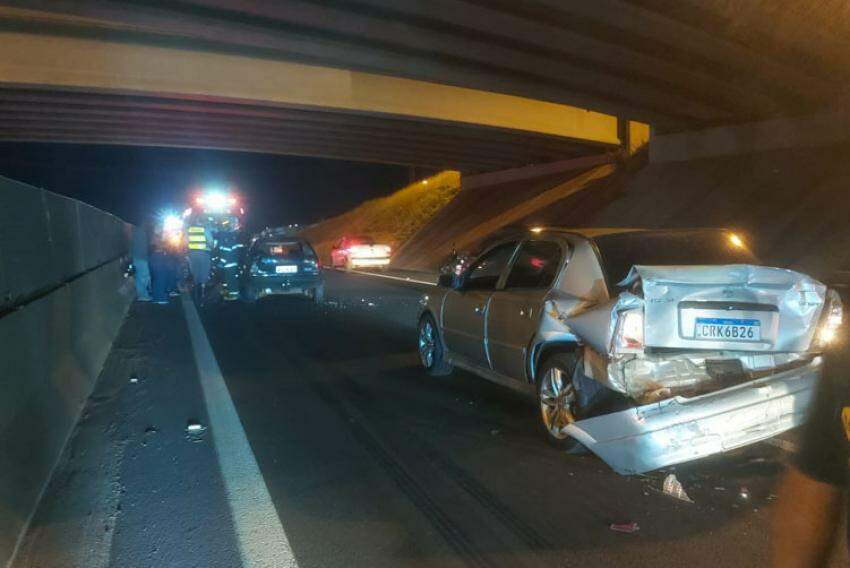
(744, 495)
(627, 528)
(194, 430)
(134, 379)
(673, 487)
(495, 432)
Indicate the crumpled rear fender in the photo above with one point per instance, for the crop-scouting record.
(681, 429)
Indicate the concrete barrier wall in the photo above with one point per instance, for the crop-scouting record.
(793, 203)
(46, 239)
(64, 297)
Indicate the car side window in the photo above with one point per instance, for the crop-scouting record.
(484, 274)
(536, 265)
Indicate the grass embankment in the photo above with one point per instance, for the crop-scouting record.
(392, 219)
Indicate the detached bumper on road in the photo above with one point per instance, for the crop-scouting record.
(683, 429)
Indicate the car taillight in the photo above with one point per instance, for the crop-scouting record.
(829, 327)
(628, 335)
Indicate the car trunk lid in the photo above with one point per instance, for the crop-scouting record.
(730, 307)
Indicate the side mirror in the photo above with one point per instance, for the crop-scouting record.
(446, 280)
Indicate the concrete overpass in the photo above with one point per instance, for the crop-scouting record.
(474, 86)
(86, 80)
(671, 64)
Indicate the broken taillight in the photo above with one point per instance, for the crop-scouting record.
(831, 319)
(628, 335)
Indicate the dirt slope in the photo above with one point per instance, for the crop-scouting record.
(478, 212)
(392, 219)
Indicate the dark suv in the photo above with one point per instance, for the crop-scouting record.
(277, 263)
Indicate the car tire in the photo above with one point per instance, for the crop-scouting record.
(558, 401)
(317, 294)
(349, 266)
(249, 296)
(430, 348)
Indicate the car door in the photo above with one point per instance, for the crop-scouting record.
(514, 312)
(465, 308)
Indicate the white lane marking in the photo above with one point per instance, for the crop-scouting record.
(262, 540)
(407, 279)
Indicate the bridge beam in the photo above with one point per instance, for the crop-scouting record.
(96, 65)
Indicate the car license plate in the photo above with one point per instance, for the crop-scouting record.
(728, 329)
(286, 269)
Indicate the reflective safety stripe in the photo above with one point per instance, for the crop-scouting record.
(197, 238)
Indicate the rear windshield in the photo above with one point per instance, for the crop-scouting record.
(288, 250)
(621, 251)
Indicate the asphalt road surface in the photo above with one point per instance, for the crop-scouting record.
(330, 446)
(371, 462)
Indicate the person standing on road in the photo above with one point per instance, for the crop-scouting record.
(163, 274)
(200, 245)
(814, 491)
(139, 250)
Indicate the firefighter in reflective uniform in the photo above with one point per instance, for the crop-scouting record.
(200, 244)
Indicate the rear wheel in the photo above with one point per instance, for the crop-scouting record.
(317, 294)
(558, 400)
(349, 266)
(431, 351)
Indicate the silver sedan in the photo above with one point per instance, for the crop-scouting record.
(648, 347)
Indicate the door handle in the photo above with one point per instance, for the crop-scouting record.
(526, 312)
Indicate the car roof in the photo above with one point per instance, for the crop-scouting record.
(594, 232)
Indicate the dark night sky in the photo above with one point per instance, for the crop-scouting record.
(133, 181)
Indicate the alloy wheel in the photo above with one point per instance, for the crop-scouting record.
(427, 345)
(557, 402)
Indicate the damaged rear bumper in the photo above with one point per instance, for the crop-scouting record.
(681, 429)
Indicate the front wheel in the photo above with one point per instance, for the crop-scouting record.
(431, 351)
(558, 400)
